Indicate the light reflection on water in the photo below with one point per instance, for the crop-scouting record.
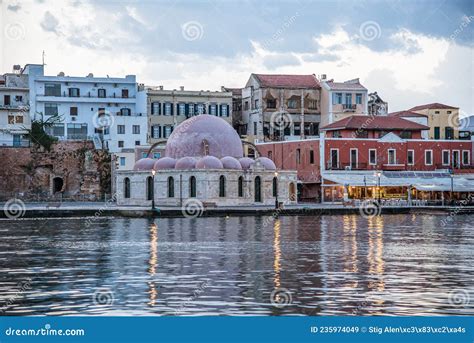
(332, 265)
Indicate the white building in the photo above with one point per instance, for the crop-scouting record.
(14, 110)
(105, 109)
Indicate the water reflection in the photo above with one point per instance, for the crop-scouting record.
(333, 265)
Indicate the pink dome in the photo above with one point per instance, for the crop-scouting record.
(164, 163)
(144, 164)
(187, 138)
(267, 163)
(185, 163)
(209, 162)
(246, 162)
(230, 162)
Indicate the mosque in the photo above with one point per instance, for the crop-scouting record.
(204, 160)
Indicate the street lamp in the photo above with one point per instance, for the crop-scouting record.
(452, 189)
(276, 190)
(153, 172)
(378, 174)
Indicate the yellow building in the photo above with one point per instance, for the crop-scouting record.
(443, 120)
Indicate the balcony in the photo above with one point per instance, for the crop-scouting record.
(19, 106)
(349, 107)
(455, 167)
(346, 166)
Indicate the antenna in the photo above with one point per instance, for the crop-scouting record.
(43, 57)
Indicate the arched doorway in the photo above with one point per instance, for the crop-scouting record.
(58, 184)
(192, 187)
(258, 189)
(292, 191)
(149, 188)
(126, 188)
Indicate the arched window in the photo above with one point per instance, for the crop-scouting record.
(275, 186)
(149, 188)
(258, 189)
(192, 187)
(222, 186)
(292, 191)
(170, 187)
(241, 186)
(126, 188)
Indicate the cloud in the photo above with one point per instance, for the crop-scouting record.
(49, 23)
(275, 61)
(14, 8)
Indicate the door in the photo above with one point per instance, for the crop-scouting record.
(6, 100)
(258, 189)
(436, 132)
(334, 159)
(124, 93)
(16, 140)
(353, 158)
(456, 159)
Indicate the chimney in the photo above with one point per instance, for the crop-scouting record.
(161, 88)
(181, 88)
(323, 77)
(223, 89)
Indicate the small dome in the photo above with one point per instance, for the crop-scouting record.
(165, 163)
(144, 164)
(246, 162)
(209, 162)
(188, 138)
(267, 163)
(230, 162)
(185, 163)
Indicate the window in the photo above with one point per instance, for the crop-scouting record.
(298, 156)
(428, 157)
(125, 112)
(372, 157)
(50, 109)
(56, 130)
(241, 186)
(155, 108)
(270, 154)
(392, 156)
(156, 155)
(126, 188)
(358, 99)
(362, 133)
(406, 134)
(156, 131)
(52, 89)
(436, 112)
(466, 160)
(336, 134)
(213, 109)
(222, 186)
(182, 109)
(136, 129)
(77, 131)
(311, 157)
(246, 105)
(271, 103)
(448, 132)
(313, 104)
(166, 131)
(168, 109)
(121, 129)
(170, 187)
(120, 144)
(334, 163)
(436, 132)
(124, 93)
(348, 99)
(449, 112)
(337, 98)
(149, 188)
(354, 158)
(256, 104)
(73, 111)
(297, 129)
(101, 93)
(19, 119)
(292, 103)
(258, 189)
(137, 142)
(74, 92)
(18, 98)
(456, 161)
(191, 109)
(11, 119)
(192, 187)
(255, 128)
(122, 161)
(411, 157)
(446, 159)
(200, 108)
(6, 100)
(224, 110)
(275, 187)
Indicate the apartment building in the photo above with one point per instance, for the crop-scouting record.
(168, 108)
(14, 109)
(109, 110)
(281, 107)
(342, 99)
(443, 120)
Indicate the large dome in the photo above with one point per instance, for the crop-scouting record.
(189, 138)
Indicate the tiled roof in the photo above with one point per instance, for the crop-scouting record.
(402, 114)
(287, 81)
(346, 85)
(433, 106)
(374, 123)
(236, 91)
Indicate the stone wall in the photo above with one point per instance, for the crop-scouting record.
(71, 170)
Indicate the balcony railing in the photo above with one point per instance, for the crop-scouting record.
(456, 166)
(88, 95)
(346, 166)
(24, 143)
(349, 107)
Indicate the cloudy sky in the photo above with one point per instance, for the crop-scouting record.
(410, 52)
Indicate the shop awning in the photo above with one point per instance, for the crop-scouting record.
(423, 181)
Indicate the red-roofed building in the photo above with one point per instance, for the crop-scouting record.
(443, 120)
(281, 107)
(414, 117)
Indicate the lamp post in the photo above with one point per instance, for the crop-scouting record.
(153, 172)
(378, 174)
(452, 189)
(276, 190)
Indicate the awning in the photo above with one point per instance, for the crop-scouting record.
(423, 181)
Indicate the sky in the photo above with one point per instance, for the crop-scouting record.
(410, 52)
